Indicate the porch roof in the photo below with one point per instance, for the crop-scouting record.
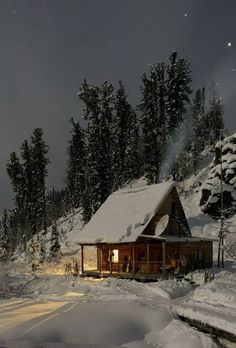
(167, 239)
(190, 239)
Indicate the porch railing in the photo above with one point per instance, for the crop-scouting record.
(145, 267)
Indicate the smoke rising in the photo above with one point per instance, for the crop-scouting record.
(178, 140)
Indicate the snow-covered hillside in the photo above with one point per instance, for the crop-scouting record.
(190, 191)
(193, 189)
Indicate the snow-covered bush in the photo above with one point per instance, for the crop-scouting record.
(225, 151)
(4, 285)
(230, 246)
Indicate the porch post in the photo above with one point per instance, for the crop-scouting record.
(82, 259)
(101, 260)
(148, 253)
(110, 259)
(163, 257)
(133, 259)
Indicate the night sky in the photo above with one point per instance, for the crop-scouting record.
(49, 46)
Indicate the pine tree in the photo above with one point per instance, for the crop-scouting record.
(163, 124)
(178, 90)
(76, 166)
(132, 160)
(98, 112)
(126, 139)
(4, 238)
(16, 235)
(55, 205)
(28, 182)
(27, 169)
(198, 121)
(214, 118)
(90, 96)
(55, 244)
(15, 173)
(39, 162)
(153, 121)
(122, 111)
(86, 203)
(106, 140)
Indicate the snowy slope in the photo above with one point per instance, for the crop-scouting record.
(190, 191)
(145, 314)
(67, 239)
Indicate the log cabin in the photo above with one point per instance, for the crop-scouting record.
(143, 233)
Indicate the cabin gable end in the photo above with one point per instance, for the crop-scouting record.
(177, 225)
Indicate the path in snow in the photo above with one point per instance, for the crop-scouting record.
(97, 313)
(75, 322)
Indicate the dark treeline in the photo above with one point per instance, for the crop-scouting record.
(119, 143)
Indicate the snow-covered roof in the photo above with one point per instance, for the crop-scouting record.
(125, 214)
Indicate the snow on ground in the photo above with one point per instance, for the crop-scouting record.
(106, 312)
(213, 303)
(178, 335)
(220, 292)
(60, 287)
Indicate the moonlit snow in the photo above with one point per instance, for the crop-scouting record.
(96, 313)
(51, 310)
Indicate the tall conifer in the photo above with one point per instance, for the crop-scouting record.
(40, 162)
(214, 117)
(153, 121)
(178, 90)
(76, 166)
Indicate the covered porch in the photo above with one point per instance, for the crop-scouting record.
(149, 257)
(143, 259)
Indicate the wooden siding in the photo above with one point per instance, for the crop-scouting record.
(146, 257)
(192, 252)
(173, 228)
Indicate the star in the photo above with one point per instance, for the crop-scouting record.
(185, 15)
(229, 44)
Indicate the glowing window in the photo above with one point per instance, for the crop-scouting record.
(115, 254)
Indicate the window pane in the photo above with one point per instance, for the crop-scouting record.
(115, 255)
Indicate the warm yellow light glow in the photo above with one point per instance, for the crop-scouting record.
(75, 294)
(22, 314)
